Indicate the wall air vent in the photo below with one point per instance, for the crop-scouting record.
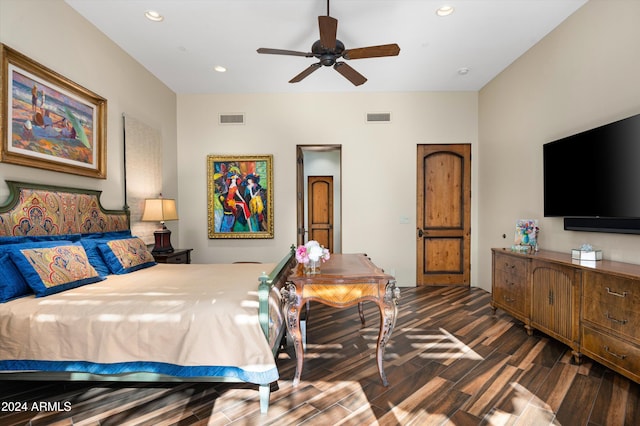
(378, 117)
(231, 118)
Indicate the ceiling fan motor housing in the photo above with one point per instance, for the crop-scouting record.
(326, 55)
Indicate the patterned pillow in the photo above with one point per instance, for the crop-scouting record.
(49, 270)
(12, 283)
(126, 255)
(90, 242)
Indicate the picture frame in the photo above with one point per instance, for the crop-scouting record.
(48, 121)
(240, 196)
(526, 235)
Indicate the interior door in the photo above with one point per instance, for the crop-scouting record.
(443, 215)
(320, 195)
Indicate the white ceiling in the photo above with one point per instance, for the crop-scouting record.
(484, 36)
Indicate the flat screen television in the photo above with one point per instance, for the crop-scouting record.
(592, 178)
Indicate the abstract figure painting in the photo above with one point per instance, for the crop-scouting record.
(240, 196)
(50, 122)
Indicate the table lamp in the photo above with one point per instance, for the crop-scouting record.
(160, 210)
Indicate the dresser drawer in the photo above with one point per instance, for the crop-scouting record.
(511, 298)
(622, 320)
(511, 265)
(612, 352)
(180, 258)
(617, 292)
(176, 256)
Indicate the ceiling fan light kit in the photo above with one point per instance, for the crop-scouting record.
(328, 50)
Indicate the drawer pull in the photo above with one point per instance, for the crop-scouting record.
(606, 348)
(615, 293)
(610, 318)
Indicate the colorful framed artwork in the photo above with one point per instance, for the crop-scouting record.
(48, 121)
(526, 233)
(240, 196)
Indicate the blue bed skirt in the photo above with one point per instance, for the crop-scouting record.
(184, 372)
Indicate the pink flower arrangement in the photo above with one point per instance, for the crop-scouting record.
(313, 251)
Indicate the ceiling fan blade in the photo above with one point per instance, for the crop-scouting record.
(305, 73)
(372, 51)
(328, 30)
(349, 73)
(284, 52)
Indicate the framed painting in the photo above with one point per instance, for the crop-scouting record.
(48, 121)
(240, 196)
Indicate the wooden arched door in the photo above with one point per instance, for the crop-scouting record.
(443, 217)
(320, 192)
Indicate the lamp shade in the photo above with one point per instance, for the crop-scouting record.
(159, 210)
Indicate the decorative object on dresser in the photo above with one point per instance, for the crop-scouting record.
(51, 122)
(160, 210)
(526, 236)
(586, 252)
(592, 308)
(176, 256)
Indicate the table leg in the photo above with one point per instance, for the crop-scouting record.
(292, 310)
(361, 311)
(388, 312)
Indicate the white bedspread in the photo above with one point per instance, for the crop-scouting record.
(181, 315)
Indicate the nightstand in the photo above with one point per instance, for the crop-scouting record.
(176, 256)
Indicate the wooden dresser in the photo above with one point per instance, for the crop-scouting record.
(595, 310)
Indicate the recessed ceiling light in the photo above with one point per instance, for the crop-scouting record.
(154, 16)
(219, 68)
(463, 71)
(444, 10)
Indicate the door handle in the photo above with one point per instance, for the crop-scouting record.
(420, 233)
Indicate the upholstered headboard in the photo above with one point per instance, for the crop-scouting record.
(34, 209)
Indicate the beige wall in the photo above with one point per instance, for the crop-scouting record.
(378, 164)
(53, 34)
(584, 74)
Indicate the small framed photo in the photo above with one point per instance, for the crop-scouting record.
(526, 232)
(240, 196)
(48, 121)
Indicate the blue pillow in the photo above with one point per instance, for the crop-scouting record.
(111, 235)
(52, 269)
(38, 238)
(90, 242)
(12, 285)
(126, 255)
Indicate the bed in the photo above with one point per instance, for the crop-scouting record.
(82, 299)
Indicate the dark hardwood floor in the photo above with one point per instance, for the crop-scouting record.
(449, 362)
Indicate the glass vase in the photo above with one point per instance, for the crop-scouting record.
(312, 267)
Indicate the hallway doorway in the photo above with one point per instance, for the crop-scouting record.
(319, 217)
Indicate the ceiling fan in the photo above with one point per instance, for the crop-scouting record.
(329, 49)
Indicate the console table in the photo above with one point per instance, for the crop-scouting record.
(344, 280)
(593, 307)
